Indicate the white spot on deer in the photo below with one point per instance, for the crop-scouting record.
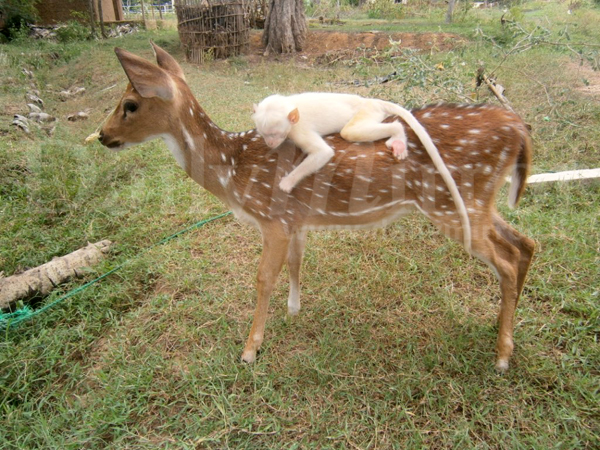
(191, 112)
(459, 117)
(468, 166)
(254, 139)
(224, 180)
(474, 131)
(223, 157)
(427, 115)
(244, 147)
(188, 139)
(487, 170)
(458, 149)
(175, 149)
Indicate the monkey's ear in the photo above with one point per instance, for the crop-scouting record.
(294, 116)
(254, 107)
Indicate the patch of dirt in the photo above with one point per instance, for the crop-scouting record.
(320, 43)
(590, 78)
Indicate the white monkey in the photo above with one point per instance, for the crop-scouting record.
(305, 118)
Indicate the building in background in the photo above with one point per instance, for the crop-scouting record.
(56, 11)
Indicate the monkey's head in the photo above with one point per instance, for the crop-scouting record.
(274, 118)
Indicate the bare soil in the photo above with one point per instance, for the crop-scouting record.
(321, 43)
(591, 85)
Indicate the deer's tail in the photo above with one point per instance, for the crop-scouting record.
(521, 169)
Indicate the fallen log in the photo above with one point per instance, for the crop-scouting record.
(40, 281)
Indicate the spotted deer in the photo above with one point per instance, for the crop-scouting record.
(362, 186)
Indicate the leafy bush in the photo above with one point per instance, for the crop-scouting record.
(17, 14)
(72, 31)
(385, 9)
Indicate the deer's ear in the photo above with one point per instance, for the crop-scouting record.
(147, 79)
(167, 62)
(294, 116)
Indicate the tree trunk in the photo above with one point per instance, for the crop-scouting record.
(450, 11)
(285, 27)
(101, 17)
(92, 19)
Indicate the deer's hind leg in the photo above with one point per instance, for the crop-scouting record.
(525, 245)
(506, 255)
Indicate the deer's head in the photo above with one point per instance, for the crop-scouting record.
(150, 102)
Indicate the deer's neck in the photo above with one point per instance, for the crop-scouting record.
(206, 152)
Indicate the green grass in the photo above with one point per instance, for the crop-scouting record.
(394, 346)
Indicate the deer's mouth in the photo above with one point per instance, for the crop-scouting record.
(113, 144)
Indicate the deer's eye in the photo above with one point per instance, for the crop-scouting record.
(130, 107)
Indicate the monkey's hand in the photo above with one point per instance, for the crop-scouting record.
(287, 184)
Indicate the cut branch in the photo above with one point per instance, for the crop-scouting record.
(40, 281)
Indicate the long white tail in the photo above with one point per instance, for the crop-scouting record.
(438, 162)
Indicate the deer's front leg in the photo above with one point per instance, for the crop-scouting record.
(295, 253)
(275, 250)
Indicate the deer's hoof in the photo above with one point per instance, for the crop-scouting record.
(249, 356)
(502, 365)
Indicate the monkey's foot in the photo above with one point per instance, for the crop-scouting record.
(398, 148)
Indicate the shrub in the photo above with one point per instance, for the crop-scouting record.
(72, 31)
(385, 9)
(17, 14)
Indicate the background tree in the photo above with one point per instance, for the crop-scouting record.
(16, 13)
(450, 10)
(285, 27)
